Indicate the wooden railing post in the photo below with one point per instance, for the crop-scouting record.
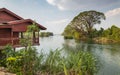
(22, 35)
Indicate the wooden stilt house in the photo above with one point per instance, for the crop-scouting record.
(12, 28)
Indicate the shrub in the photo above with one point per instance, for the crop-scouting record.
(29, 62)
(81, 63)
(68, 37)
(23, 62)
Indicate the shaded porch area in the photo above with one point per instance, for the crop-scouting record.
(13, 38)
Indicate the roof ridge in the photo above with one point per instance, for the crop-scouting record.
(11, 13)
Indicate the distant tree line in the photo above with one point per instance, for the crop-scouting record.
(46, 34)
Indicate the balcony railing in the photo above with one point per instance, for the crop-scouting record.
(16, 41)
(5, 41)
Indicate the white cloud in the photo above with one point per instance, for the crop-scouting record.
(65, 4)
(52, 2)
(83, 4)
(113, 12)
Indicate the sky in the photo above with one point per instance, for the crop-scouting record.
(55, 15)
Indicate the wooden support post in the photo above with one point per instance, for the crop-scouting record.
(34, 38)
(33, 34)
(14, 49)
(22, 35)
(38, 34)
(38, 37)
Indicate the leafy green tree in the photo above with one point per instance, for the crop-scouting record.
(68, 32)
(115, 33)
(94, 33)
(112, 33)
(100, 32)
(85, 21)
(106, 32)
(33, 28)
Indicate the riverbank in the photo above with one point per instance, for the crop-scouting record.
(99, 40)
(104, 40)
(3, 71)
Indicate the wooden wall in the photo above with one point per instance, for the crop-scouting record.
(5, 32)
(5, 36)
(15, 34)
(21, 27)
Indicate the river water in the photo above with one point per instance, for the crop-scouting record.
(108, 54)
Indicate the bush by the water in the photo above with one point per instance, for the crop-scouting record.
(68, 37)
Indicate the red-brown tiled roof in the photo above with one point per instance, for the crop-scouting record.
(11, 13)
(23, 21)
(20, 20)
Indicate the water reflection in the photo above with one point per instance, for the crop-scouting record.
(108, 54)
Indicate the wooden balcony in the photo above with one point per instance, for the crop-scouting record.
(5, 41)
(15, 42)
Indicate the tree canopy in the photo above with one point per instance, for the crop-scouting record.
(85, 21)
